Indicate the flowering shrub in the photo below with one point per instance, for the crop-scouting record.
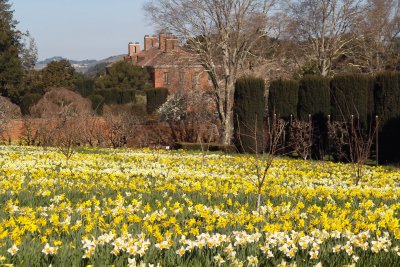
(172, 208)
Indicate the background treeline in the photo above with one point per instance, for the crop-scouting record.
(115, 84)
(118, 84)
(344, 97)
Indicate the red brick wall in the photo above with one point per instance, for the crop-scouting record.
(175, 84)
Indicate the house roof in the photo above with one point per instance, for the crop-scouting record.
(158, 58)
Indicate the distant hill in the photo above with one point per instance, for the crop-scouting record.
(80, 65)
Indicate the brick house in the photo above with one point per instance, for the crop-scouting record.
(168, 64)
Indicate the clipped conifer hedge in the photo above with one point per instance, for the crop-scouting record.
(283, 98)
(387, 107)
(116, 96)
(155, 98)
(249, 106)
(97, 103)
(351, 95)
(314, 96)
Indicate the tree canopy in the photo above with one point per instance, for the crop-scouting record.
(123, 76)
(11, 70)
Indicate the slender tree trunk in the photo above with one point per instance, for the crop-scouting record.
(228, 123)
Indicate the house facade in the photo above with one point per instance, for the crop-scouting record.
(168, 64)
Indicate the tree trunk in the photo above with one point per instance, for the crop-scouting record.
(228, 123)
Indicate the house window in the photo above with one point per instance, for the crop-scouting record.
(166, 78)
(181, 77)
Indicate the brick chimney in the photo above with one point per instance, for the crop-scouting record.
(150, 41)
(171, 44)
(163, 39)
(133, 49)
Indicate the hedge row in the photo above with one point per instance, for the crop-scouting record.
(116, 96)
(249, 106)
(363, 96)
(155, 98)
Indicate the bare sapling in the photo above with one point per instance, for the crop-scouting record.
(300, 138)
(270, 146)
(353, 139)
(68, 136)
(361, 142)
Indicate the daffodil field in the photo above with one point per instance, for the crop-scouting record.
(108, 207)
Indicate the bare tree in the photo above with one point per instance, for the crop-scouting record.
(270, 146)
(221, 34)
(8, 112)
(190, 115)
(29, 51)
(325, 29)
(120, 127)
(300, 138)
(93, 130)
(61, 102)
(376, 47)
(353, 143)
(31, 134)
(352, 138)
(68, 136)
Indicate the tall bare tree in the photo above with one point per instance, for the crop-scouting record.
(221, 33)
(324, 28)
(376, 47)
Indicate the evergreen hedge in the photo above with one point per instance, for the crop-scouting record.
(314, 100)
(155, 98)
(351, 95)
(249, 105)
(314, 96)
(97, 103)
(387, 95)
(387, 107)
(84, 86)
(116, 96)
(283, 98)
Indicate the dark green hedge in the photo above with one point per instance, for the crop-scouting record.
(28, 101)
(155, 98)
(116, 96)
(351, 95)
(97, 103)
(283, 98)
(249, 106)
(205, 147)
(360, 95)
(314, 96)
(387, 107)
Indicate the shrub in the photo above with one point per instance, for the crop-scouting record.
(249, 106)
(283, 98)
(387, 97)
(350, 95)
(155, 98)
(206, 147)
(60, 102)
(84, 85)
(314, 97)
(27, 101)
(126, 96)
(97, 103)
(314, 100)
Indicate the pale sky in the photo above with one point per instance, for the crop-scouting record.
(82, 29)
